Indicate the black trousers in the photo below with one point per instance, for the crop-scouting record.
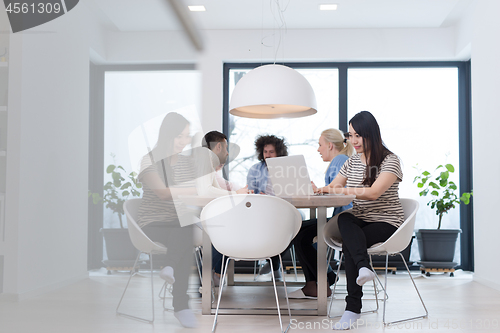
(276, 260)
(306, 252)
(357, 236)
(179, 243)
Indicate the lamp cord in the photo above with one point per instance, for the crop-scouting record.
(280, 20)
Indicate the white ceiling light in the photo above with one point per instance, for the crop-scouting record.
(273, 91)
(328, 6)
(197, 8)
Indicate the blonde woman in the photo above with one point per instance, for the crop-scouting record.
(336, 149)
(333, 148)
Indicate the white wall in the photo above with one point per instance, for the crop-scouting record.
(485, 119)
(47, 166)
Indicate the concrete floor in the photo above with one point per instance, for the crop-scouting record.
(456, 304)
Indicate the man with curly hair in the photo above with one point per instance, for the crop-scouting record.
(266, 146)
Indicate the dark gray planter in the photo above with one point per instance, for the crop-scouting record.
(437, 245)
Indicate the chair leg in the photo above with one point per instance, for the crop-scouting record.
(199, 265)
(294, 262)
(376, 291)
(221, 286)
(198, 259)
(152, 287)
(374, 288)
(132, 273)
(385, 284)
(416, 289)
(286, 296)
(335, 285)
(166, 287)
(255, 270)
(329, 255)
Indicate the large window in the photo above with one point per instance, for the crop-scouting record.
(135, 103)
(418, 107)
(128, 104)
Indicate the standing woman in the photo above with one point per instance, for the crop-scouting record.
(165, 173)
(373, 176)
(333, 148)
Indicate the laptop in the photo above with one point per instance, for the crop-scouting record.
(289, 176)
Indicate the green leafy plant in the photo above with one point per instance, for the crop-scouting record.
(442, 190)
(117, 191)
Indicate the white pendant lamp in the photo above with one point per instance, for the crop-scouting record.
(273, 91)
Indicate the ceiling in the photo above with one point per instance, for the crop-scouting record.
(156, 15)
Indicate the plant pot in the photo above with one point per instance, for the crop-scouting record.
(118, 245)
(437, 245)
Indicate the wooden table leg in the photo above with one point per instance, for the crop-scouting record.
(322, 279)
(206, 294)
(312, 213)
(230, 273)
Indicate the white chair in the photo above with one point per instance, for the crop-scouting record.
(251, 227)
(397, 243)
(392, 246)
(144, 245)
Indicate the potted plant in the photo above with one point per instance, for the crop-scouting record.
(119, 249)
(437, 246)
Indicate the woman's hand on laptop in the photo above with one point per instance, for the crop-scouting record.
(319, 190)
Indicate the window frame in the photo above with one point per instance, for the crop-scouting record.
(464, 124)
(96, 147)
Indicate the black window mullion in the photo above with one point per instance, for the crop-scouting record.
(225, 101)
(343, 98)
(465, 163)
(96, 165)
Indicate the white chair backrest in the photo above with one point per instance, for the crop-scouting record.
(250, 226)
(137, 236)
(402, 237)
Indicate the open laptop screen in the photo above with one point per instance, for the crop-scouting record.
(289, 176)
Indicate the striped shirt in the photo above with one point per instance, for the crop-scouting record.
(152, 208)
(387, 207)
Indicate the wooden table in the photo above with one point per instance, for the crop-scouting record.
(318, 204)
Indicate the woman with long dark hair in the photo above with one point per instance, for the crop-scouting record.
(373, 176)
(165, 174)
